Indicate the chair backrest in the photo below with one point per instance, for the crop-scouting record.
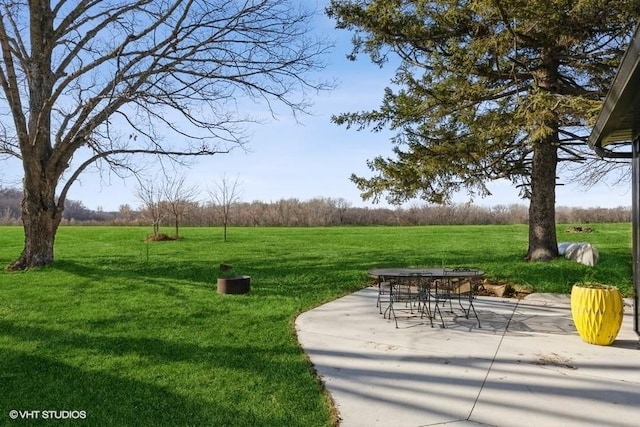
(462, 279)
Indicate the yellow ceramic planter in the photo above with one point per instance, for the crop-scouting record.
(597, 313)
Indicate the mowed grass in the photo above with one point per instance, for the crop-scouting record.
(134, 333)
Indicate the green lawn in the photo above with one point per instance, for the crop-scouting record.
(134, 334)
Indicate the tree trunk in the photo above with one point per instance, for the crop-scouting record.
(543, 243)
(41, 218)
(41, 215)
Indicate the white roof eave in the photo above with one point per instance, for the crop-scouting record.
(619, 118)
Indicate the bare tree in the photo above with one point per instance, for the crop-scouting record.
(178, 197)
(89, 83)
(223, 195)
(342, 205)
(126, 213)
(150, 194)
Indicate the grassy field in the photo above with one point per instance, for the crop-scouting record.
(134, 334)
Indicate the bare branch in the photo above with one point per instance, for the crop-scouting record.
(110, 153)
(163, 66)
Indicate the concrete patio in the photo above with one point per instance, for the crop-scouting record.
(526, 366)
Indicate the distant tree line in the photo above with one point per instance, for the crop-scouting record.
(295, 212)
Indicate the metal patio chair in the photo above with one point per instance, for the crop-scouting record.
(460, 284)
(403, 290)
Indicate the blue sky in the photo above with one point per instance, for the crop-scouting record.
(313, 157)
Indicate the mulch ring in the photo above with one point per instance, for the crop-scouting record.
(579, 230)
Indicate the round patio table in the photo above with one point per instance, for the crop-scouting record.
(435, 273)
(437, 285)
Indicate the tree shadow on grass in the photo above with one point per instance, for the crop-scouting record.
(195, 273)
(299, 274)
(37, 383)
(64, 372)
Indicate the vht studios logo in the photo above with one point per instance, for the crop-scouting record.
(47, 415)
